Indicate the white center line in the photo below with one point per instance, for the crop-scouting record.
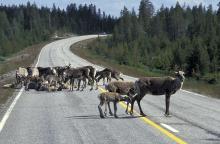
(169, 128)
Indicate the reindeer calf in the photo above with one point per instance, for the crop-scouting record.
(107, 97)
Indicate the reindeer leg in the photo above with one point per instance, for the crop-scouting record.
(19, 83)
(84, 86)
(71, 82)
(167, 99)
(110, 111)
(105, 112)
(92, 84)
(96, 84)
(27, 84)
(103, 81)
(115, 109)
(132, 105)
(79, 82)
(100, 110)
(126, 111)
(139, 105)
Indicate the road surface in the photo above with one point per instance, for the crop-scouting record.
(72, 117)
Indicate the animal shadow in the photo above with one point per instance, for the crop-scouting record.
(84, 117)
(98, 117)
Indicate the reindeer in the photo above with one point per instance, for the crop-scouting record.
(107, 97)
(60, 70)
(123, 88)
(80, 73)
(92, 74)
(86, 75)
(89, 73)
(45, 71)
(157, 86)
(109, 74)
(72, 74)
(21, 76)
(103, 75)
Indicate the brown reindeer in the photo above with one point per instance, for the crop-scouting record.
(157, 86)
(109, 74)
(107, 97)
(123, 88)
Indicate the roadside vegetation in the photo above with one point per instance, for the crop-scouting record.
(170, 39)
(83, 50)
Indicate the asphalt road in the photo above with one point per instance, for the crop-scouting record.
(72, 117)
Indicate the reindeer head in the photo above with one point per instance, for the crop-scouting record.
(132, 92)
(180, 75)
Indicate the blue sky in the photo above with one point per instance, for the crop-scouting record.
(112, 7)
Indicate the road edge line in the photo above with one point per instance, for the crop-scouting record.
(8, 112)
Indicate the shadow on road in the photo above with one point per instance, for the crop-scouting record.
(98, 117)
(212, 139)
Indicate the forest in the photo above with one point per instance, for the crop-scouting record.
(176, 38)
(24, 25)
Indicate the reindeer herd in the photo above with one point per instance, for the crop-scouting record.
(67, 77)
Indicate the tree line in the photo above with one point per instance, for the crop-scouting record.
(179, 37)
(24, 25)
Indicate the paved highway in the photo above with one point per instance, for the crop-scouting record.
(72, 117)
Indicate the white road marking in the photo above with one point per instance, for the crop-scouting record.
(8, 112)
(193, 93)
(4, 119)
(38, 58)
(169, 128)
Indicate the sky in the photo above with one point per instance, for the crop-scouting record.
(112, 7)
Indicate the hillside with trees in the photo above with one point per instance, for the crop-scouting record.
(174, 38)
(25, 25)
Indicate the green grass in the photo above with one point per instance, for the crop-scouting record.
(5, 94)
(200, 86)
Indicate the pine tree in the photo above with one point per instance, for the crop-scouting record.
(146, 11)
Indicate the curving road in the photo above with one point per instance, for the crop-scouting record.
(73, 118)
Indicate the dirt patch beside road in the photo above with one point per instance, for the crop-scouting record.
(23, 58)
